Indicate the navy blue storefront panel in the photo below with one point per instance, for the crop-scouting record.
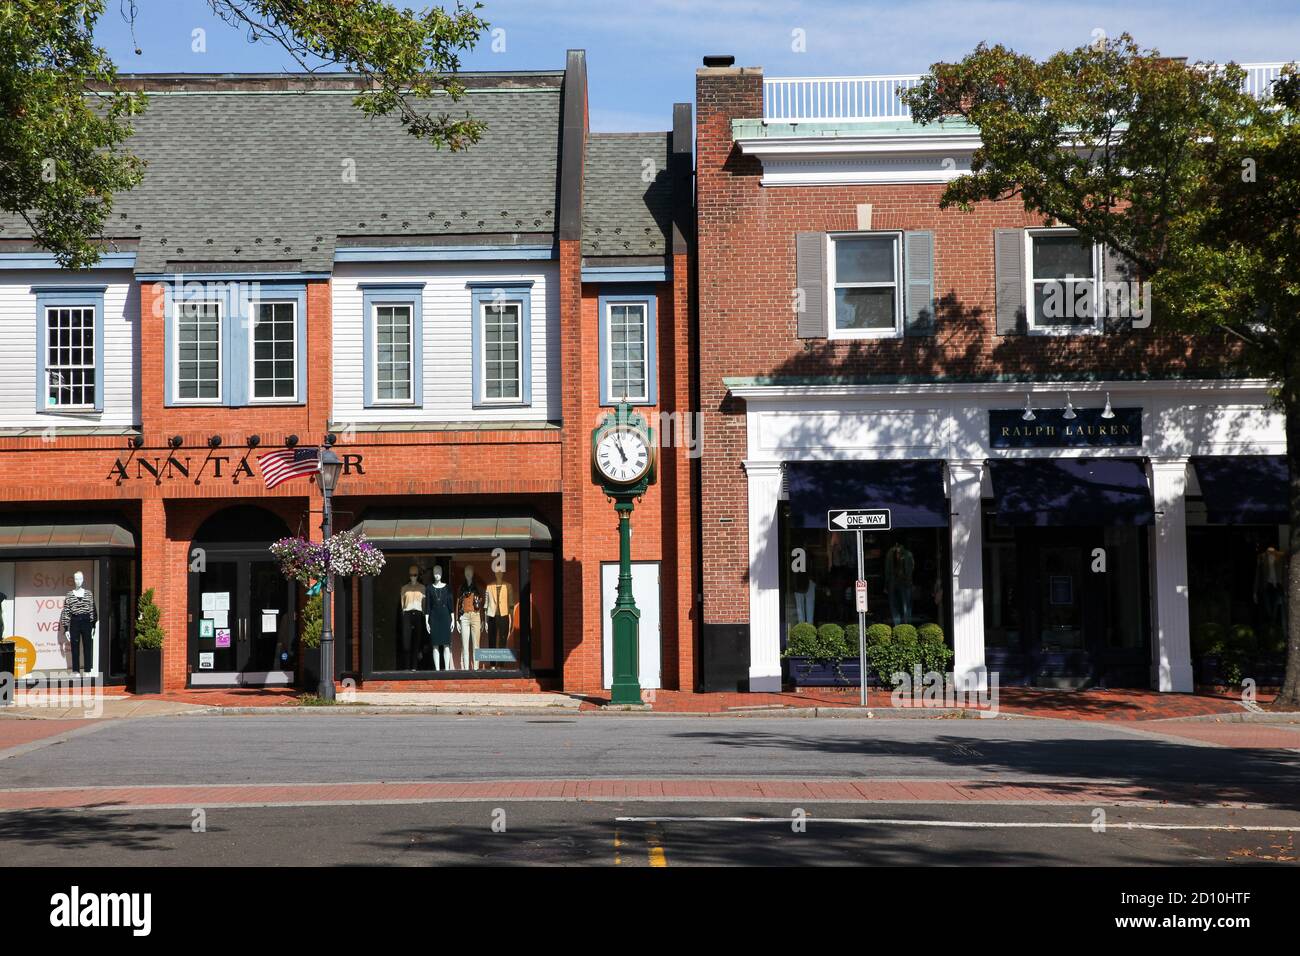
(1244, 489)
(1075, 492)
(913, 491)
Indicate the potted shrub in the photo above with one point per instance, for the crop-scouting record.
(905, 649)
(148, 646)
(312, 622)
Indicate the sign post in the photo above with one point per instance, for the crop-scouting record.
(859, 520)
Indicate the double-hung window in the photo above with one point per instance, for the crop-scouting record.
(866, 292)
(627, 347)
(502, 373)
(275, 351)
(394, 334)
(1063, 281)
(70, 372)
(502, 352)
(198, 350)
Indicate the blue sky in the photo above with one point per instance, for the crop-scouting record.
(642, 54)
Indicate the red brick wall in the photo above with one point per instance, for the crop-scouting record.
(746, 255)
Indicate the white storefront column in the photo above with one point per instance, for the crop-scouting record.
(764, 576)
(967, 533)
(1171, 665)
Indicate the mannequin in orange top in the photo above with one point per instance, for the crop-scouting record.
(499, 611)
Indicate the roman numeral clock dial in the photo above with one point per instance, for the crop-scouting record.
(623, 456)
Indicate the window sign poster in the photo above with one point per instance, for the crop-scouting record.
(223, 637)
(269, 621)
(216, 601)
(206, 627)
(220, 619)
(205, 660)
(1061, 590)
(35, 603)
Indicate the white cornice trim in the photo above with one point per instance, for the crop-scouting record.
(761, 393)
(803, 146)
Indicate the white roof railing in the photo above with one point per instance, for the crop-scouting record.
(855, 99)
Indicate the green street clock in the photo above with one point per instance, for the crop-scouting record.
(623, 461)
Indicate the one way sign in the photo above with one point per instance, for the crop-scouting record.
(870, 519)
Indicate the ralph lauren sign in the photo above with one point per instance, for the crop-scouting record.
(1051, 429)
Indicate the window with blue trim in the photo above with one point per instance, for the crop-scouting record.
(69, 349)
(627, 348)
(236, 343)
(394, 333)
(502, 334)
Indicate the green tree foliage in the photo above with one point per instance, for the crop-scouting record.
(65, 120)
(1190, 178)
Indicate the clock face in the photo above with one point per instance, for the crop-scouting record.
(623, 456)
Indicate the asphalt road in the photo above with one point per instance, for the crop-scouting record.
(303, 749)
(308, 749)
(638, 834)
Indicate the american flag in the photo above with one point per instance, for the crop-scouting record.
(280, 466)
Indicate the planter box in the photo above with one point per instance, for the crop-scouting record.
(148, 671)
(309, 669)
(805, 672)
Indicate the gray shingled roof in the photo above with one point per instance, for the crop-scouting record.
(622, 213)
(258, 177)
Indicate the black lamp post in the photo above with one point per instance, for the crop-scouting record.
(331, 466)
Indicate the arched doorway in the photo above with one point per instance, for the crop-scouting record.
(242, 609)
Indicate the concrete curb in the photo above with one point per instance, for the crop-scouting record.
(1244, 717)
(831, 713)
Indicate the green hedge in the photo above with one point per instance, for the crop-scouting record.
(906, 649)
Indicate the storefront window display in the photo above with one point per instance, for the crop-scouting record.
(1237, 606)
(52, 608)
(905, 573)
(449, 611)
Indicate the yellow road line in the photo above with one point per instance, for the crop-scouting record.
(657, 855)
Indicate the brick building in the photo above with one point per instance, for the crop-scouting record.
(291, 274)
(1076, 497)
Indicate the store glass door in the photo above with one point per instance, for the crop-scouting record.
(1065, 596)
(241, 623)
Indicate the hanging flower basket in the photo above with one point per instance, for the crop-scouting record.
(345, 554)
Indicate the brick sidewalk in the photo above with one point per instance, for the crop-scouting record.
(1052, 792)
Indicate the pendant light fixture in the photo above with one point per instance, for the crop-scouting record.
(1069, 414)
(1108, 412)
(1029, 415)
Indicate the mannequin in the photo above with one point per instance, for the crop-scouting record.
(78, 622)
(899, 567)
(437, 606)
(469, 611)
(805, 596)
(412, 622)
(1270, 586)
(499, 611)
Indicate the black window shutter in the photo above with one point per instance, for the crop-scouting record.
(1119, 306)
(1009, 280)
(810, 268)
(918, 271)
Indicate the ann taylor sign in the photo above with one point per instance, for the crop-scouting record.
(1051, 429)
(179, 467)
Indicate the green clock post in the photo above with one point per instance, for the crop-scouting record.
(623, 459)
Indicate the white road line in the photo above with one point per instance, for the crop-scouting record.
(965, 824)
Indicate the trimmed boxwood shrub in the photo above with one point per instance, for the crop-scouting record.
(879, 634)
(802, 641)
(930, 634)
(831, 638)
(851, 638)
(904, 634)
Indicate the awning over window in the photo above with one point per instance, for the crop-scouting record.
(1244, 489)
(913, 491)
(438, 530)
(1071, 491)
(20, 537)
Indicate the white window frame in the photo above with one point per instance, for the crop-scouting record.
(94, 346)
(255, 308)
(608, 357)
(373, 345)
(178, 306)
(1095, 327)
(832, 330)
(482, 360)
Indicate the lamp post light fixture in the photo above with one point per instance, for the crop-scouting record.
(331, 466)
